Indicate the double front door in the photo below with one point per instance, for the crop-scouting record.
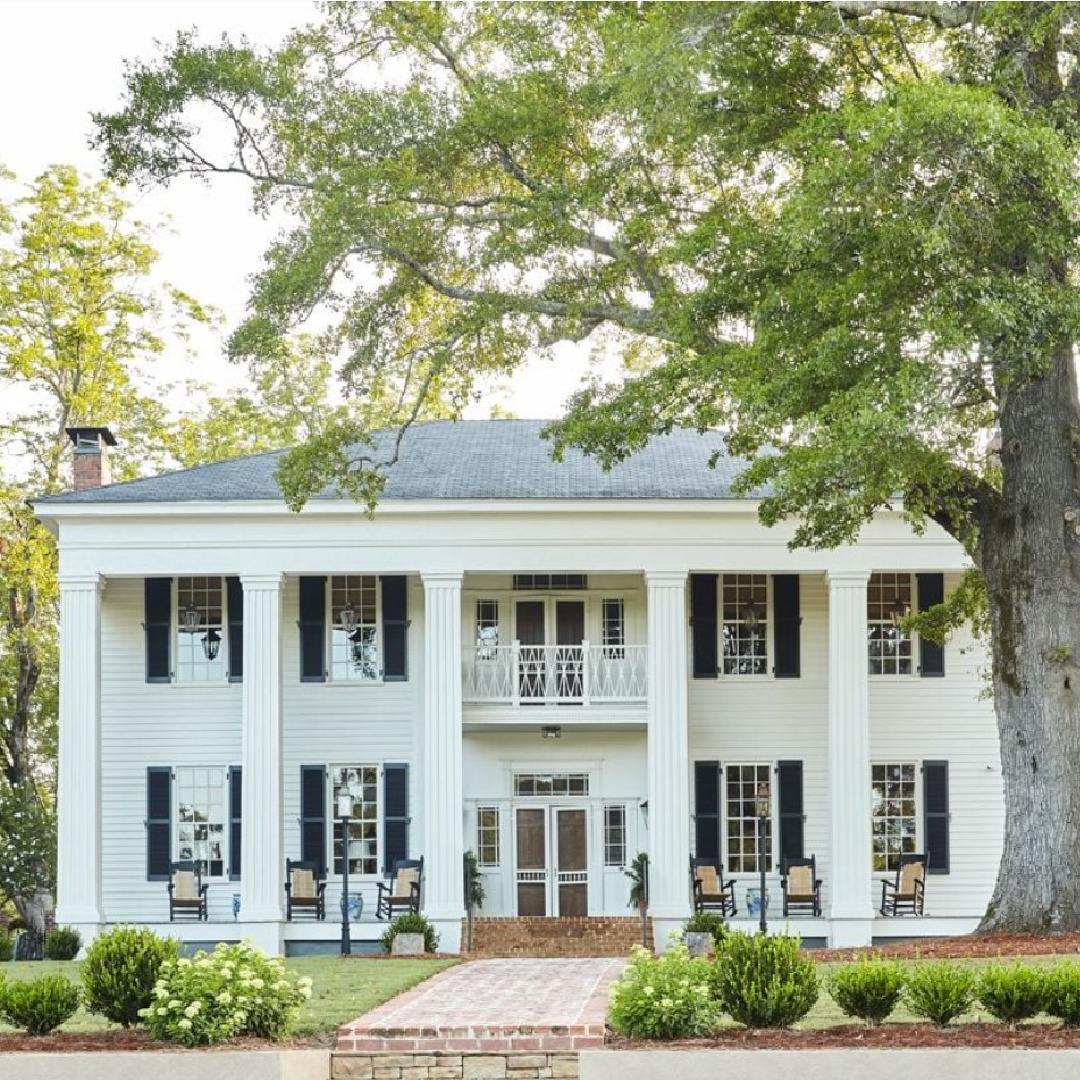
(551, 661)
(552, 860)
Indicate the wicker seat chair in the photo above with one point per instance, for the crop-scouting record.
(907, 893)
(801, 887)
(403, 893)
(711, 892)
(305, 889)
(187, 893)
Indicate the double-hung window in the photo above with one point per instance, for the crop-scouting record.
(894, 818)
(889, 647)
(487, 629)
(354, 642)
(613, 628)
(741, 783)
(615, 834)
(362, 782)
(201, 816)
(745, 624)
(201, 644)
(487, 836)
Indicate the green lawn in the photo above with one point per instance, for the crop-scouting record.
(341, 989)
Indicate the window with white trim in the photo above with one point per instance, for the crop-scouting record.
(551, 784)
(889, 649)
(613, 628)
(200, 653)
(354, 657)
(745, 624)
(615, 834)
(487, 629)
(201, 818)
(487, 836)
(894, 821)
(362, 782)
(741, 783)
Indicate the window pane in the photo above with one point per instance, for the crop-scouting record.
(355, 657)
(745, 624)
(888, 647)
(742, 782)
(206, 596)
(487, 629)
(487, 836)
(362, 782)
(615, 835)
(894, 821)
(200, 812)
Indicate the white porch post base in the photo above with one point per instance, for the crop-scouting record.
(78, 857)
(268, 936)
(849, 758)
(442, 833)
(668, 755)
(850, 933)
(261, 867)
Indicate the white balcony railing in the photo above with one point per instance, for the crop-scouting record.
(553, 674)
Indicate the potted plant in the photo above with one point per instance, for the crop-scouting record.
(474, 891)
(639, 890)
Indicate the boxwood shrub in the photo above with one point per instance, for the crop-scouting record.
(867, 989)
(764, 982)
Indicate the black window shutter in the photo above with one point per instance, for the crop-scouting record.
(395, 621)
(236, 833)
(313, 629)
(157, 607)
(395, 814)
(786, 625)
(158, 823)
(789, 775)
(931, 655)
(707, 808)
(234, 599)
(703, 624)
(313, 815)
(936, 815)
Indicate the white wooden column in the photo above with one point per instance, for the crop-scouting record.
(78, 861)
(261, 864)
(668, 751)
(850, 862)
(442, 842)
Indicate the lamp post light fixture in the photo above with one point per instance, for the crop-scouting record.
(345, 813)
(764, 809)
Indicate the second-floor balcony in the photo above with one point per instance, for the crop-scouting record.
(524, 675)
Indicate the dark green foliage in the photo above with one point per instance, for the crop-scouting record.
(706, 922)
(1062, 993)
(7, 947)
(63, 943)
(940, 992)
(639, 880)
(474, 883)
(1011, 994)
(411, 924)
(120, 970)
(36, 1006)
(868, 989)
(764, 982)
(663, 997)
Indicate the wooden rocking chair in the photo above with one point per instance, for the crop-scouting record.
(711, 892)
(906, 894)
(402, 895)
(187, 893)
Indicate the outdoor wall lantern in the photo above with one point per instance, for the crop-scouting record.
(192, 619)
(553, 732)
(348, 619)
(751, 615)
(211, 640)
(899, 611)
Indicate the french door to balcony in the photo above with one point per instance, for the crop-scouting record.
(552, 860)
(550, 672)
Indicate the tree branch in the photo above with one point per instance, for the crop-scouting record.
(945, 16)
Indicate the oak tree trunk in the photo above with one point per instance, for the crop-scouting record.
(1029, 552)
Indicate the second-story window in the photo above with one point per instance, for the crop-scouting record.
(745, 630)
(354, 645)
(614, 629)
(487, 629)
(200, 649)
(888, 600)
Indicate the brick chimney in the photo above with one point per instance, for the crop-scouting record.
(91, 456)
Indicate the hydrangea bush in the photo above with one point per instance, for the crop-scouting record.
(234, 990)
(663, 997)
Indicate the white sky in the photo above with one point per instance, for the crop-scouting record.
(62, 59)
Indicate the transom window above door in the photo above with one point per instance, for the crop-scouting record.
(546, 582)
(550, 784)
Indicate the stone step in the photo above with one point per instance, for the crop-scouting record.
(553, 938)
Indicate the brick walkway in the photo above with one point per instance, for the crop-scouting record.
(493, 1006)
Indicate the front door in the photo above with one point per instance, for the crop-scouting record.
(552, 860)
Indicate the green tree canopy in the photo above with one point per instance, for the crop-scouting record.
(843, 231)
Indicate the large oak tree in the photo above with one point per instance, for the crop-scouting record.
(843, 230)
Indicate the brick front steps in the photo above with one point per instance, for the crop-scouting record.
(556, 938)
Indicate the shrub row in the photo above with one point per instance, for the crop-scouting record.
(766, 982)
(758, 981)
(63, 943)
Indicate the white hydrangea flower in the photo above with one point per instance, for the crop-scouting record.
(184, 1025)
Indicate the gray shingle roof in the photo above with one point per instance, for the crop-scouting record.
(470, 459)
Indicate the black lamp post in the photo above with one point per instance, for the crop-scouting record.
(763, 810)
(345, 813)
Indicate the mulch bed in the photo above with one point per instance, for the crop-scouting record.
(886, 1037)
(973, 946)
(119, 1040)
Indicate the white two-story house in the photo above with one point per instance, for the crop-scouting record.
(552, 666)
